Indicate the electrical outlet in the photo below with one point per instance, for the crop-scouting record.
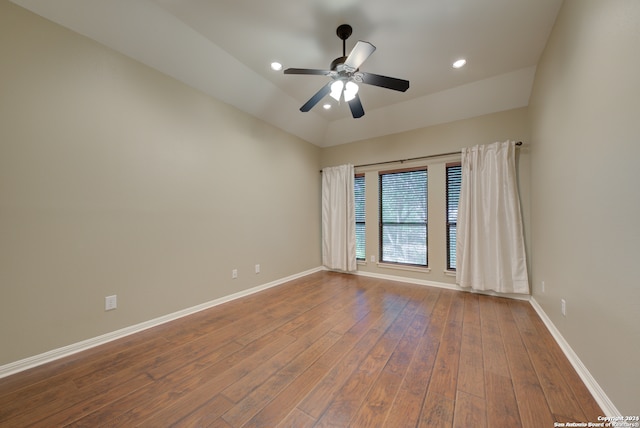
(563, 308)
(234, 273)
(110, 303)
(257, 268)
(543, 290)
(373, 259)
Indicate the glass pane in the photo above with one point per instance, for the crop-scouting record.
(359, 198)
(454, 179)
(404, 197)
(360, 242)
(404, 244)
(452, 247)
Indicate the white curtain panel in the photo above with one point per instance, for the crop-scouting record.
(338, 218)
(490, 244)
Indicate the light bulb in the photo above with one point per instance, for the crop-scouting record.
(336, 89)
(350, 91)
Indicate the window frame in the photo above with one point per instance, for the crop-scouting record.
(381, 223)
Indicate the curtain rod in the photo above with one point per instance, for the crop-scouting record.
(519, 143)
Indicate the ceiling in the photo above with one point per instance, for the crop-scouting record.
(224, 48)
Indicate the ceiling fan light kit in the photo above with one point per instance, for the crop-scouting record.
(345, 75)
(347, 91)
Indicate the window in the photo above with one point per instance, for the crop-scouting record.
(454, 178)
(403, 217)
(360, 210)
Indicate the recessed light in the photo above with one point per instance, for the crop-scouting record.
(459, 63)
(276, 66)
(326, 106)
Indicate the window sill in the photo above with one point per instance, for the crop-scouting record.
(404, 267)
(450, 272)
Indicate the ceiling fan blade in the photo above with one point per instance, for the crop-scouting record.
(306, 71)
(317, 97)
(356, 107)
(385, 82)
(359, 54)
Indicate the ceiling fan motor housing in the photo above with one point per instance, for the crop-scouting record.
(336, 62)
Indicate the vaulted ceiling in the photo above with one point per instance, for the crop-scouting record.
(225, 47)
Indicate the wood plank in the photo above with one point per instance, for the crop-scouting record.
(532, 404)
(438, 406)
(562, 401)
(164, 362)
(471, 367)
(297, 419)
(588, 405)
(284, 313)
(213, 380)
(346, 403)
(177, 386)
(244, 410)
(376, 405)
(409, 400)
(265, 371)
(378, 402)
(64, 369)
(306, 334)
(63, 387)
(470, 411)
(444, 377)
(495, 360)
(437, 412)
(502, 406)
(319, 398)
(93, 401)
(284, 402)
(206, 415)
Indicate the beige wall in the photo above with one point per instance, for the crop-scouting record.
(450, 137)
(116, 179)
(585, 121)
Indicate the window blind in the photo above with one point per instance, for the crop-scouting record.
(454, 179)
(358, 184)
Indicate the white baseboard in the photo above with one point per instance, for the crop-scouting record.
(15, 367)
(55, 354)
(598, 393)
(407, 280)
(448, 286)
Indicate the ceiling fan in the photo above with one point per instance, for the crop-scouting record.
(345, 75)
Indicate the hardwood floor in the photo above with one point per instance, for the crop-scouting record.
(326, 350)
